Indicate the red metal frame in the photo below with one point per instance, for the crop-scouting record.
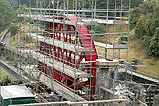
(65, 57)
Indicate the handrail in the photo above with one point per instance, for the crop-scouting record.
(68, 103)
(4, 34)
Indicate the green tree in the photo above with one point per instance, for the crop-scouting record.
(144, 9)
(142, 26)
(154, 44)
(13, 29)
(133, 3)
(7, 14)
(145, 20)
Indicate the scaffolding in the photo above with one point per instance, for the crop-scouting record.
(63, 40)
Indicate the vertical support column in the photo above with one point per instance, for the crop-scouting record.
(106, 77)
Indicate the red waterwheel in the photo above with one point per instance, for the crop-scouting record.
(76, 35)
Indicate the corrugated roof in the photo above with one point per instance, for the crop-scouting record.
(15, 91)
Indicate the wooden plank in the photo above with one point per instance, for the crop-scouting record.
(58, 87)
(61, 44)
(49, 19)
(68, 70)
(104, 62)
(111, 46)
(137, 74)
(108, 46)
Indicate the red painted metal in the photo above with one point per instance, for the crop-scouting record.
(86, 42)
(56, 30)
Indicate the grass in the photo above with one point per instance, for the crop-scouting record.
(110, 52)
(5, 78)
(111, 38)
(22, 38)
(152, 70)
(13, 41)
(2, 75)
(117, 28)
(137, 51)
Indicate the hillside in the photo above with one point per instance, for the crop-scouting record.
(144, 37)
(137, 52)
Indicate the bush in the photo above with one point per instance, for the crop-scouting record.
(146, 23)
(13, 29)
(154, 44)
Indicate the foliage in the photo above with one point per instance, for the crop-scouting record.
(22, 9)
(13, 29)
(154, 44)
(97, 28)
(7, 14)
(141, 26)
(14, 3)
(145, 21)
(135, 3)
(2, 74)
(125, 3)
(144, 9)
(13, 41)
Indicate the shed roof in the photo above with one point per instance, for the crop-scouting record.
(15, 91)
